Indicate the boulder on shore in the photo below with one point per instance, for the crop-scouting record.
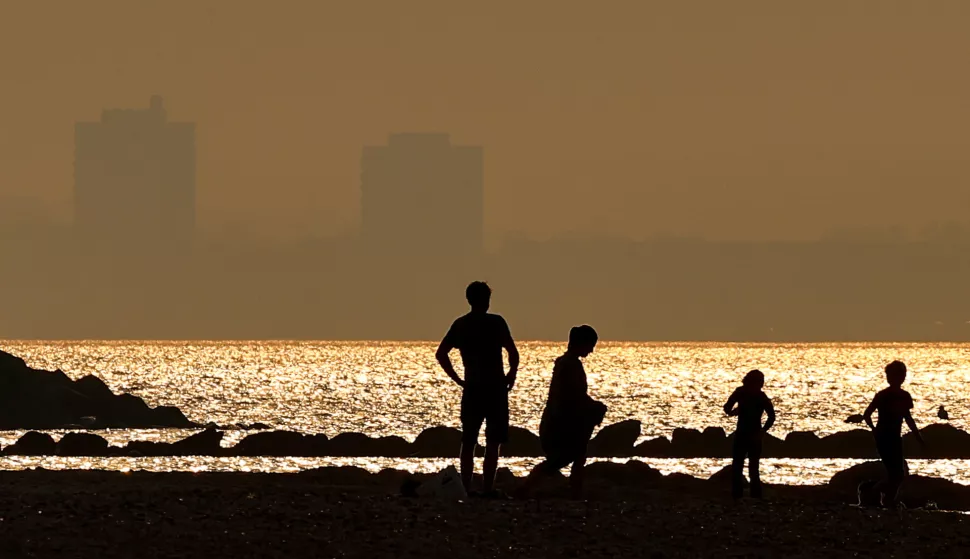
(281, 443)
(82, 444)
(615, 440)
(34, 399)
(916, 491)
(942, 441)
(857, 443)
(691, 443)
(32, 443)
(437, 442)
(653, 448)
(522, 442)
(358, 444)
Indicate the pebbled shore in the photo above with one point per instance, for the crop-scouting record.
(344, 512)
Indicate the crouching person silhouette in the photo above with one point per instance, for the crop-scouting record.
(570, 415)
(749, 403)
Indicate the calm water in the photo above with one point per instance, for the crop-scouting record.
(385, 388)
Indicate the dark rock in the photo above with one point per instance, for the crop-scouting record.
(351, 444)
(615, 440)
(168, 416)
(203, 443)
(857, 443)
(274, 443)
(147, 448)
(848, 480)
(724, 475)
(771, 446)
(93, 387)
(633, 473)
(393, 478)
(437, 442)
(393, 447)
(82, 444)
(505, 478)
(349, 476)
(522, 442)
(252, 426)
(691, 443)
(942, 441)
(34, 399)
(916, 491)
(32, 443)
(802, 444)
(357, 444)
(656, 448)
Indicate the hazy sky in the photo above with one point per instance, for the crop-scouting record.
(725, 119)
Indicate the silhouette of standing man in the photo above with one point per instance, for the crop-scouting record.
(480, 336)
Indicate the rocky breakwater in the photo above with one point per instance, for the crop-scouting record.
(618, 440)
(34, 399)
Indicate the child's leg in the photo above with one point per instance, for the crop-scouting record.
(754, 467)
(891, 453)
(737, 467)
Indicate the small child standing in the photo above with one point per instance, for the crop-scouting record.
(570, 414)
(751, 404)
(894, 405)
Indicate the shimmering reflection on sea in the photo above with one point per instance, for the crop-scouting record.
(776, 471)
(385, 388)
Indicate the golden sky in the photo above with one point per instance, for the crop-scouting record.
(748, 119)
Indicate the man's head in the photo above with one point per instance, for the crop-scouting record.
(479, 295)
(582, 340)
(755, 380)
(896, 373)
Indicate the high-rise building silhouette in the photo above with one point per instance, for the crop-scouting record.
(134, 179)
(422, 195)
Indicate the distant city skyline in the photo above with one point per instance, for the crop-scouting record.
(646, 119)
(134, 179)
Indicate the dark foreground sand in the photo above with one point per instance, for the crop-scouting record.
(341, 514)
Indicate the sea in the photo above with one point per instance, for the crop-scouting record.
(396, 388)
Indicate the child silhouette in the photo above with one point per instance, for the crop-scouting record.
(748, 402)
(894, 405)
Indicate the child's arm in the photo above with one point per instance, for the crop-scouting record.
(730, 404)
(770, 410)
(868, 414)
(912, 427)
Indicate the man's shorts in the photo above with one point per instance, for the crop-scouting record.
(488, 405)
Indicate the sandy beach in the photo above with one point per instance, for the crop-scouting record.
(347, 513)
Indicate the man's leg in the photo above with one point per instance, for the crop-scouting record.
(467, 461)
(491, 465)
(472, 416)
(754, 467)
(496, 434)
